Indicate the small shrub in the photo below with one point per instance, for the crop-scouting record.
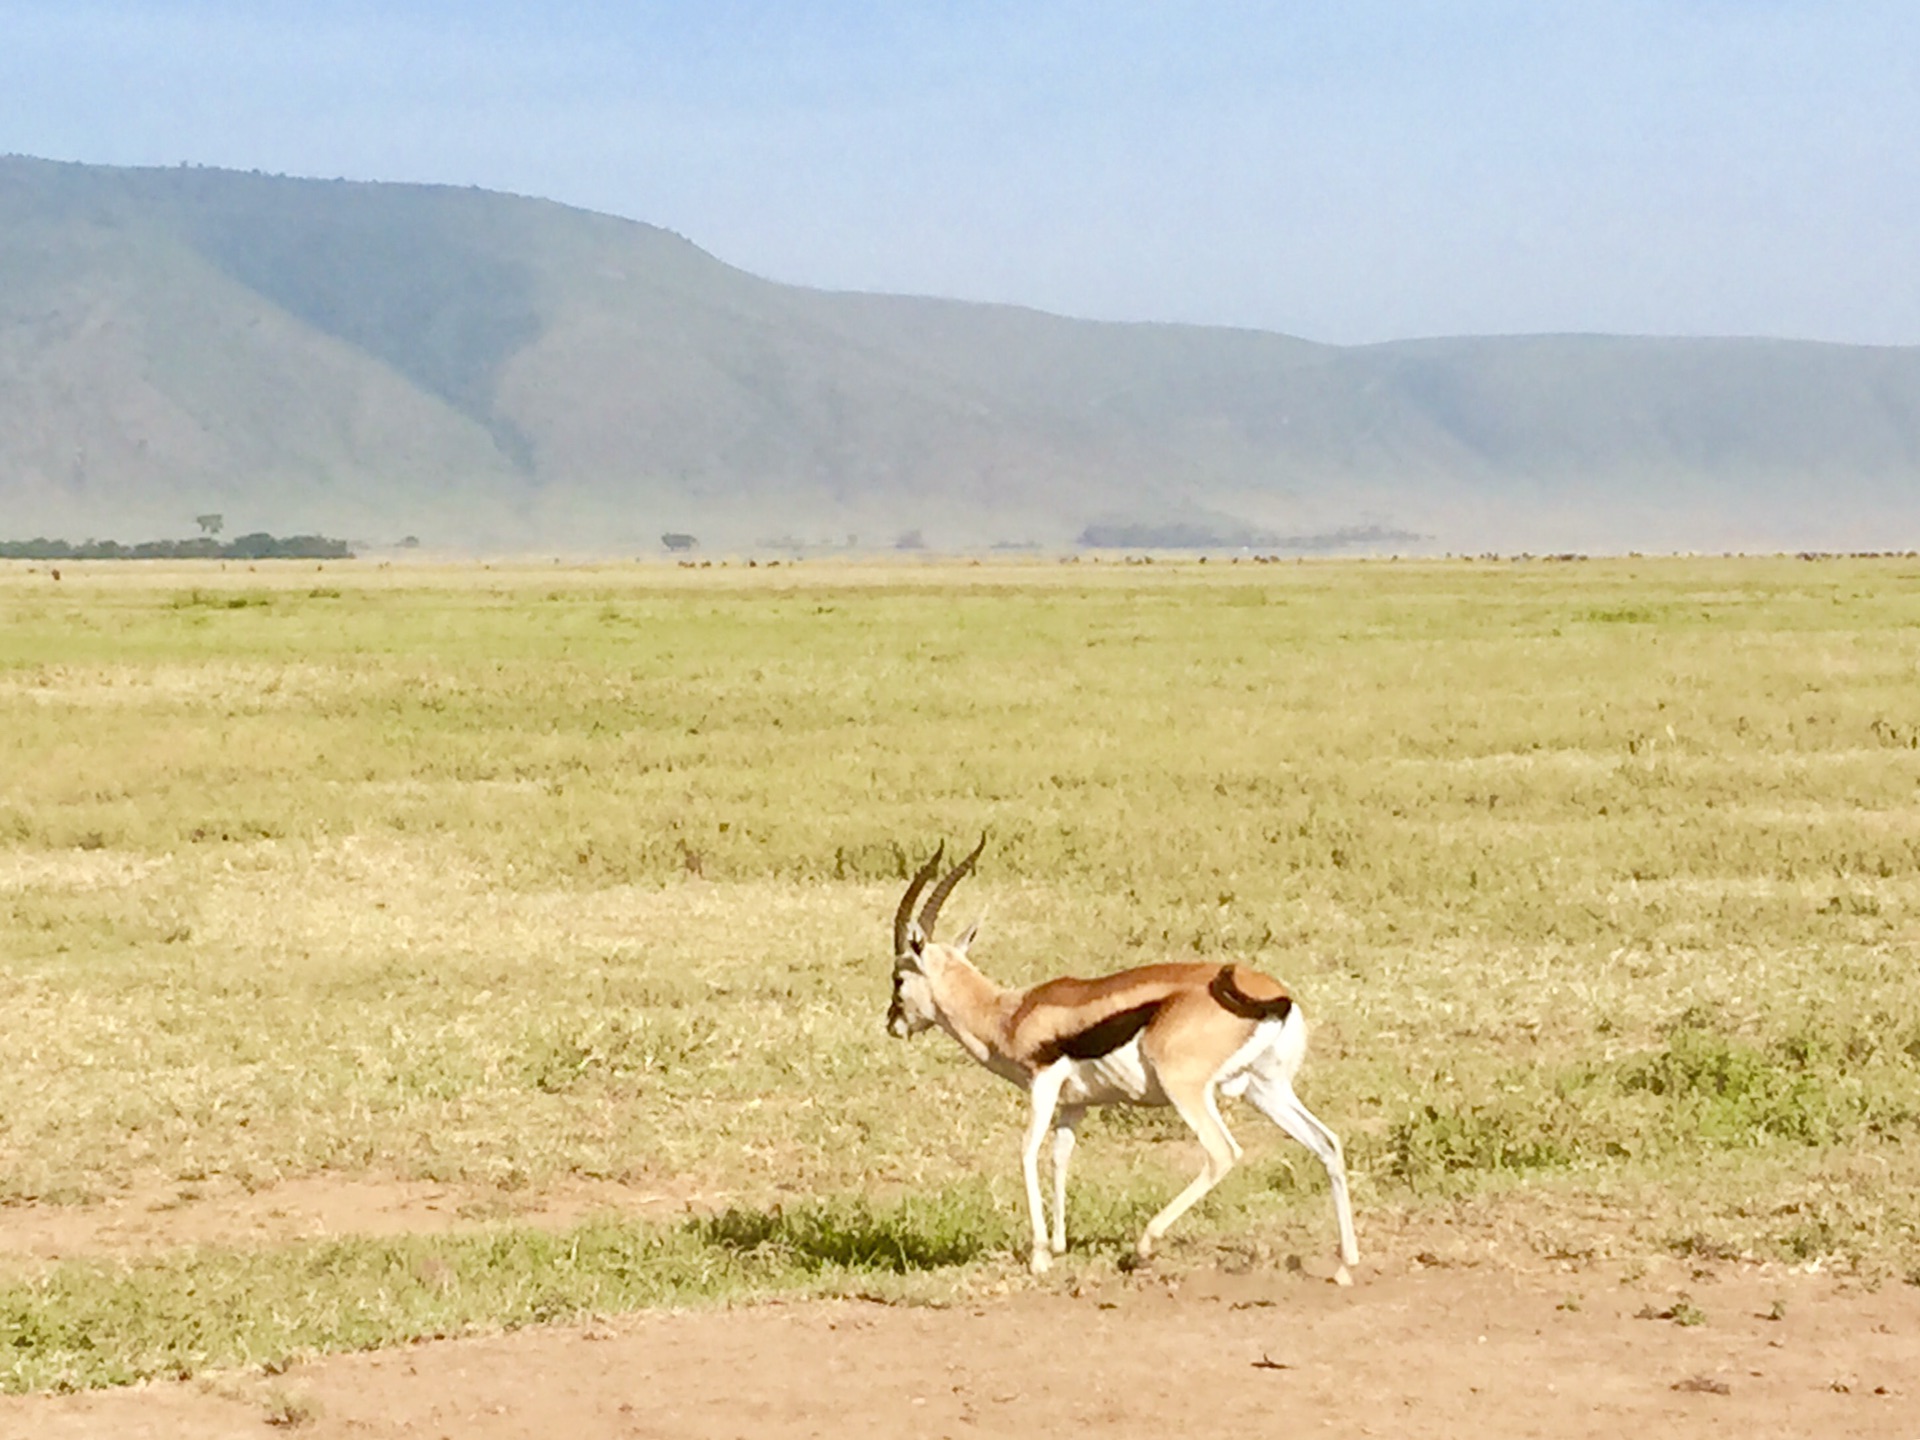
(1433, 1142)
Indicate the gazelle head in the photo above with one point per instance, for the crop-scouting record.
(916, 959)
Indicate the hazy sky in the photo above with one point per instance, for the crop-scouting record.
(1347, 170)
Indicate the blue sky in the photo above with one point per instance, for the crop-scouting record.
(1350, 170)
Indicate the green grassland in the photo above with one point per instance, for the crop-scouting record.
(1600, 881)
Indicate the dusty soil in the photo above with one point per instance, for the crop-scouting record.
(1411, 1350)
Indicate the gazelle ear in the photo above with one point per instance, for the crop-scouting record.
(916, 937)
(967, 939)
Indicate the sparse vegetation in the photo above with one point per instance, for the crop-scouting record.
(1598, 881)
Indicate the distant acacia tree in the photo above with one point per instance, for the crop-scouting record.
(910, 540)
(674, 540)
(210, 524)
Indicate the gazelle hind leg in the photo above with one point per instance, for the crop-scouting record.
(1063, 1128)
(1202, 1114)
(1275, 1099)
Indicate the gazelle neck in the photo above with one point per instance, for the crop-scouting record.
(975, 1011)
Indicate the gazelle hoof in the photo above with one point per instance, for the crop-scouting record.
(1340, 1275)
(1041, 1262)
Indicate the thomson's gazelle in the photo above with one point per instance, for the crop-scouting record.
(1178, 1035)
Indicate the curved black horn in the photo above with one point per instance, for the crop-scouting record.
(927, 872)
(930, 912)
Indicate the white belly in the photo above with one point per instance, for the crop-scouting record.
(1119, 1077)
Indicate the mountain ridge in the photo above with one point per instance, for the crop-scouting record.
(487, 371)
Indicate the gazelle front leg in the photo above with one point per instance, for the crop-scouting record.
(1063, 1129)
(1044, 1094)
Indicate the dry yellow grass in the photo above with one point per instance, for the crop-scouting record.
(1600, 880)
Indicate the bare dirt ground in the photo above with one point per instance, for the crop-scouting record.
(1413, 1349)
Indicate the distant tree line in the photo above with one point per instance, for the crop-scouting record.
(258, 546)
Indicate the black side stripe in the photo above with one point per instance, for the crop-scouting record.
(1236, 1001)
(1102, 1038)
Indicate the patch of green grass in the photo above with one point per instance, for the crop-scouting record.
(87, 1324)
(1699, 1089)
(950, 1228)
(1726, 1092)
